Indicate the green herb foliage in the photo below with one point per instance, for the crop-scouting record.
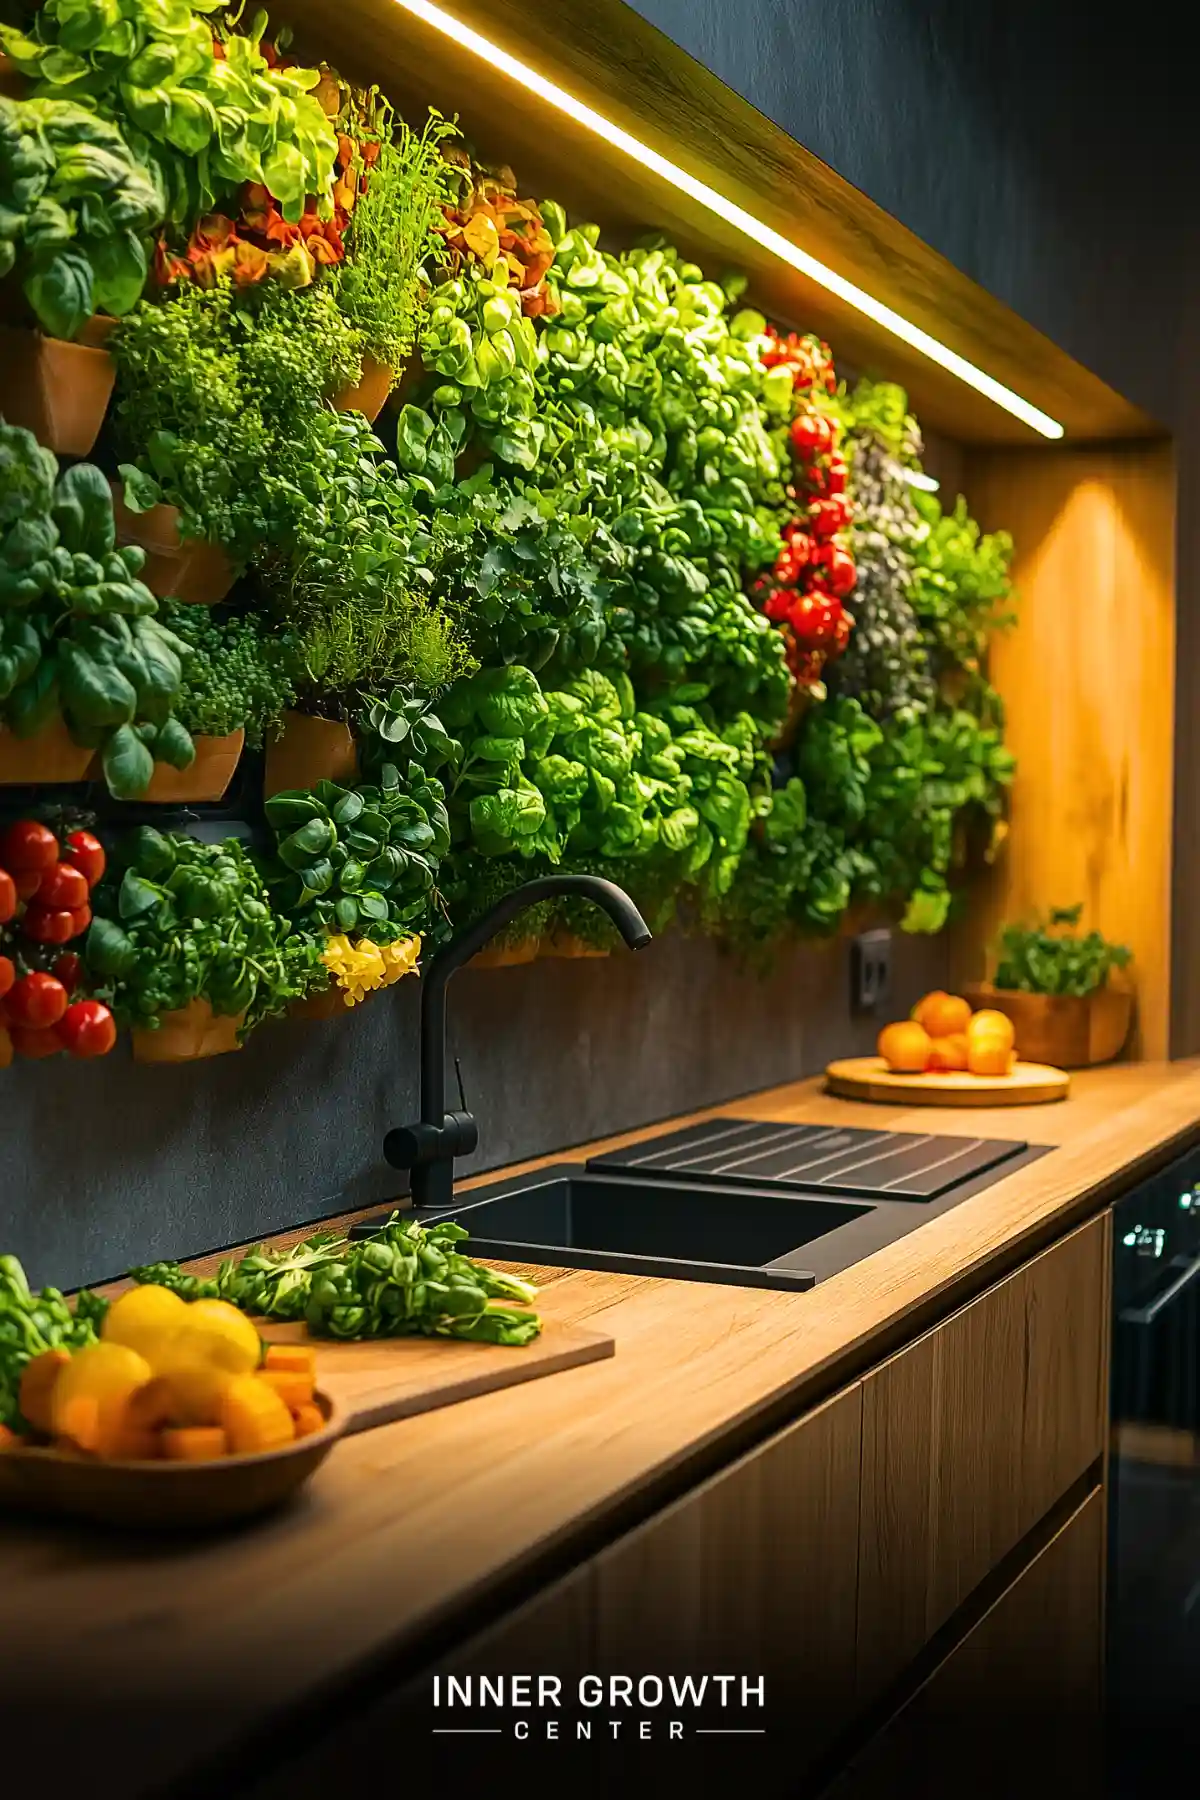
(405, 1281)
(207, 124)
(1051, 957)
(237, 672)
(177, 920)
(75, 207)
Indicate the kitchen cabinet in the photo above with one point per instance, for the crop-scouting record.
(1015, 1708)
(970, 1437)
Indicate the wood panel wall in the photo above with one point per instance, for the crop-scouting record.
(1088, 679)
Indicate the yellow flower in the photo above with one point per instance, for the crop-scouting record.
(362, 967)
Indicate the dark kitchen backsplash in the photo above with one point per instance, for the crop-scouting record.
(110, 1163)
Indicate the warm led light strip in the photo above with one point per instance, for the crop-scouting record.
(736, 216)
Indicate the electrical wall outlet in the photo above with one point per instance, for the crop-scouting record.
(870, 970)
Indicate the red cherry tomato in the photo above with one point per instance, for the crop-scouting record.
(81, 918)
(8, 975)
(27, 882)
(28, 845)
(87, 853)
(8, 897)
(37, 1001)
(778, 603)
(68, 968)
(63, 887)
(46, 927)
(827, 517)
(812, 434)
(87, 1029)
(33, 1043)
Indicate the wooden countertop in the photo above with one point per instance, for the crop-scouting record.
(429, 1526)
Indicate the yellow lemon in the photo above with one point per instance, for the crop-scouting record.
(92, 1391)
(216, 1333)
(142, 1318)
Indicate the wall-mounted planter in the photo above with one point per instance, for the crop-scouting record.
(1067, 1031)
(565, 943)
(369, 393)
(188, 1035)
(207, 778)
(309, 751)
(57, 390)
(13, 85)
(506, 956)
(51, 755)
(180, 568)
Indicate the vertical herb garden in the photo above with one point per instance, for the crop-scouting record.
(499, 550)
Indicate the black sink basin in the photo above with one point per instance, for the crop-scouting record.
(686, 1230)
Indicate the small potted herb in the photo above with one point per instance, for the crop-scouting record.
(1055, 984)
(238, 679)
(75, 207)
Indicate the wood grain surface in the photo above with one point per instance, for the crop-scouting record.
(605, 55)
(969, 1438)
(421, 1526)
(1088, 683)
(869, 1078)
(395, 1378)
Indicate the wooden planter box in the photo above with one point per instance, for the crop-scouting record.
(52, 755)
(565, 943)
(506, 956)
(309, 751)
(1065, 1030)
(207, 778)
(177, 568)
(191, 1033)
(57, 390)
(370, 393)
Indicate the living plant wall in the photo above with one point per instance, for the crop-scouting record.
(508, 550)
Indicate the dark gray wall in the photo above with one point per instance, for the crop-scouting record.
(107, 1164)
(1039, 145)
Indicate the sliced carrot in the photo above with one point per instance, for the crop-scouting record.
(293, 1388)
(308, 1418)
(254, 1417)
(8, 1439)
(129, 1431)
(194, 1443)
(291, 1359)
(79, 1420)
(37, 1388)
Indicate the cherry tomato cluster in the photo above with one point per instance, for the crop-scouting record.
(45, 902)
(814, 572)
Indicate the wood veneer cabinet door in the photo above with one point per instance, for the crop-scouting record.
(970, 1436)
(756, 1574)
(1016, 1708)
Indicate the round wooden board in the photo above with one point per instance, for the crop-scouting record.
(869, 1078)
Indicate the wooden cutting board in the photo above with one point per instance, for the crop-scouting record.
(393, 1378)
(869, 1078)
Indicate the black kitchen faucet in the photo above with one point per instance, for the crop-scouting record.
(429, 1147)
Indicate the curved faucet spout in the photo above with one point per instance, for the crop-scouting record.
(429, 1148)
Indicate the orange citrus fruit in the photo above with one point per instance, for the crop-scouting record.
(989, 1056)
(947, 1053)
(904, 1047)
(927, 1002)
(945, 1015)
(990, 1026)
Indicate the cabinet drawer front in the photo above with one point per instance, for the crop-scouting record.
(970, 1436)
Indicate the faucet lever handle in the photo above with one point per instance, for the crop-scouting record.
(462, 1098)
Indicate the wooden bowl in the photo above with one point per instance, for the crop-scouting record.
(162, 1495)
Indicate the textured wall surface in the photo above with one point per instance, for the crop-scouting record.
(106, 1164)
(1007, 134)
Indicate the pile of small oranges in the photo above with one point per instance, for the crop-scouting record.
(943, 1034)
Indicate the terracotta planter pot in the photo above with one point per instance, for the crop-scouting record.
(180, 568)
(208, 778)
(59, 391)
(565, 943)
(1065, 1030)
(189, 1034)
(370, 393)
(506, 956)
(13, 85)
(51, 755)
(309, 751)
(798, 704)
